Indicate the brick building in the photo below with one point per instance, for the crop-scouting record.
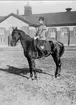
(61, 25)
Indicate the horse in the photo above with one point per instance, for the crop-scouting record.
(57, 49)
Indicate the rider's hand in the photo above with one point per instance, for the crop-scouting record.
(36, 37)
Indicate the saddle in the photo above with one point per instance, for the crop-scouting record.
(45, 45)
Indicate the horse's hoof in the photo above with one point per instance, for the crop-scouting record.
(31, 79)
(57, 75)
(35, 77)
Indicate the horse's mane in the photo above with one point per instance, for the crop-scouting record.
(26, 35)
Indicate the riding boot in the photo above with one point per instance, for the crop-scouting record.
(43, 56)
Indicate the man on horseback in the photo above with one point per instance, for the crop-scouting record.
(40, 37)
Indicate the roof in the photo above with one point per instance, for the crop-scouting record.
(51, 19)
(54, 19)
(2, 18)
(16, 16)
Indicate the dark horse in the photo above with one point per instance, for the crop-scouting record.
(57, 49)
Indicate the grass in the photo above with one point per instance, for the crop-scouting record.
(16, 89)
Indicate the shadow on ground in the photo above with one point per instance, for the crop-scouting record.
(22, 71)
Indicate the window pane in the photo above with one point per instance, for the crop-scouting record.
(1, 32)
(52, 32)
(64, 32)
(74, 31)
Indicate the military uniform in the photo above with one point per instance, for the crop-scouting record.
(41, 32)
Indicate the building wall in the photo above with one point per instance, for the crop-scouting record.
(12, 22)
(53, 33)
(69, 38)
(7, 26)
(3, 37)
(32, 31)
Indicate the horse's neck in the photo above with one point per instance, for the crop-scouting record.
(25, 36)
(25, 40)
(23, 44)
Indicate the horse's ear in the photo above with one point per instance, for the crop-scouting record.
(16, 28)
(13, 28)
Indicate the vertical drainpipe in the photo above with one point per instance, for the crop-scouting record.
(68, 37)
(56, 34)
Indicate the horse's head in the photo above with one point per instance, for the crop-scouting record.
(15, 36)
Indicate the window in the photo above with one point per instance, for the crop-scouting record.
(52, 32)
(64, 31)
(2, 39)
(1, 31)
(74, 31)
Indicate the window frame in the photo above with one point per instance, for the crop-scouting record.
(51, 30)
(74, 31)
(65, 32)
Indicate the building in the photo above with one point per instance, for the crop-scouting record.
(61, 25)
(6, 24)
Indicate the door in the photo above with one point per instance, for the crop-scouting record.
(64, 36)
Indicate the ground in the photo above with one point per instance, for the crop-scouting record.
(17, 89)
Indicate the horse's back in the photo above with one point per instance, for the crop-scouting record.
(58, 47)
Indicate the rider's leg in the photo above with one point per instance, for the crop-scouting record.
(35, 45)
(38, 46)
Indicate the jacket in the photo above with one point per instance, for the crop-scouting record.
(41, 32)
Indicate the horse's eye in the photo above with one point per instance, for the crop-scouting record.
(14, 38)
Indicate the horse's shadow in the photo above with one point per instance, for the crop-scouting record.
(22, 71)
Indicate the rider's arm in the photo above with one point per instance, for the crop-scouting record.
(43, 30)
(36, 34)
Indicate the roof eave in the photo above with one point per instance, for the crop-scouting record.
(63, 24)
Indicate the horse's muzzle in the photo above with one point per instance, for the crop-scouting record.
(13, 43)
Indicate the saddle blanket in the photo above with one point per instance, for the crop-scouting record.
(45, 46)
(42, 47)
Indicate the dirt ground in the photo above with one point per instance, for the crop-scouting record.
(17, 89)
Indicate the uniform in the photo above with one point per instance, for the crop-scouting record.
(41, 32)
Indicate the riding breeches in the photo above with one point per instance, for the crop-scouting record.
(37, 44)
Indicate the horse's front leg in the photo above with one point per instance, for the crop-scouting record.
(33, 68)
(31, 62)
(30, 65)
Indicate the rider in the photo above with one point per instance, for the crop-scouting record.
(40, 34)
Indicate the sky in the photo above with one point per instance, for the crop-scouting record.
(7, 7)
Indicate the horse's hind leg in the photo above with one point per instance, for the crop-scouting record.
(58, 68)
(57, 61)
